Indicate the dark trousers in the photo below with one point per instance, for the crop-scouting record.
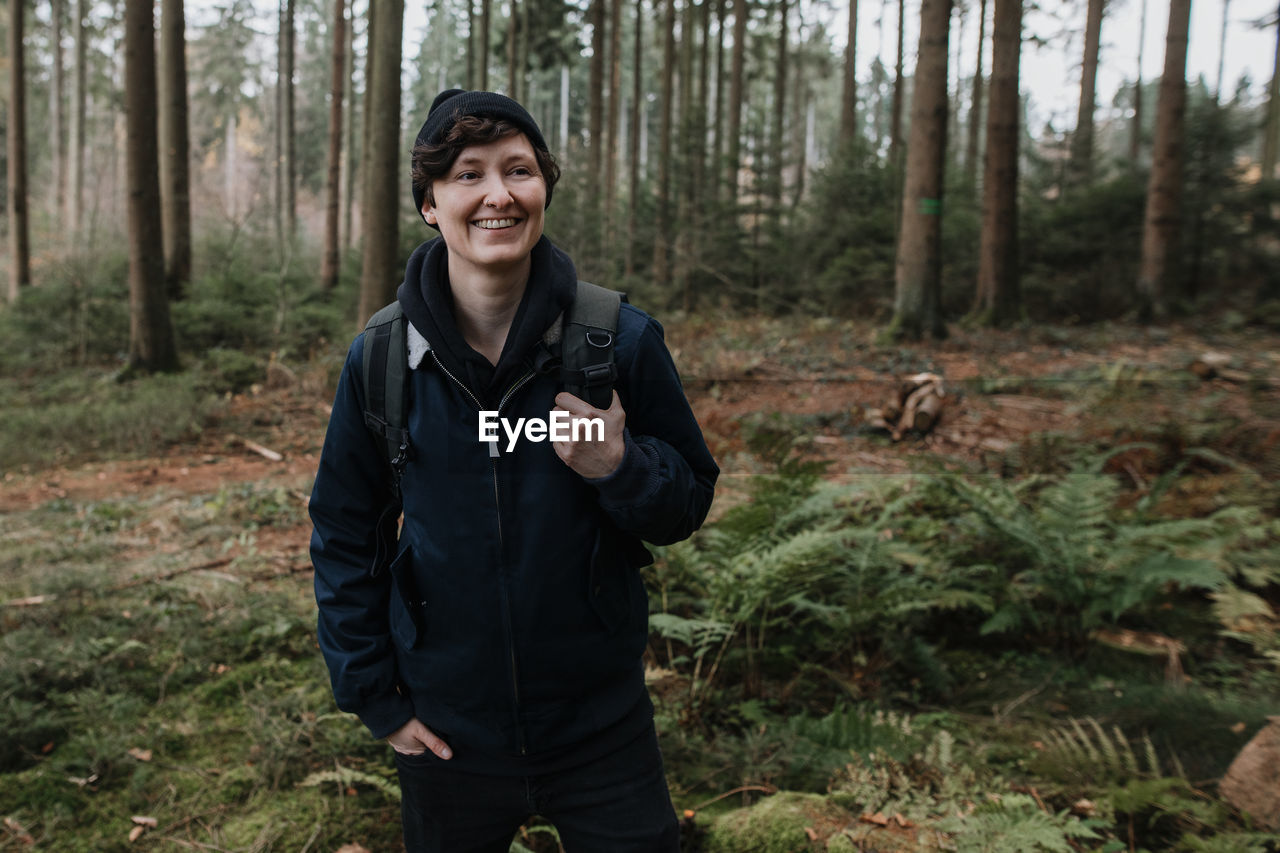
(618, 802)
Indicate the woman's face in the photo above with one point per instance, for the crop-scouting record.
(489, 205)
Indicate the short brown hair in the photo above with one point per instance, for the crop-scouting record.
(429, 161)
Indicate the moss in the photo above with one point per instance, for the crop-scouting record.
(778, 825)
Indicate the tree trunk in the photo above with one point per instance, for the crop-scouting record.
(661, 268)
(57, 111)
(512, 76)
(380, 273)
(741, 11)
(564, 110)
(349, 137)
(595, 95)
(19, 235)
(918, 280)
(975, 105)
(849, 92)
(685, 155)
(288, 160)
(615, 118)
(472, 27)
(899, 85)
(1082, 139)
(229, 162)
(151, 345)
(633, 144)
(1222, 52)
(484, 44)
(717, 143)
(75, 155)
(998, 300)
(1271, 135)
(779, 106)
(1135, 138)
(1164, 191)
(522, 82)
(175, 162)
(333, 189)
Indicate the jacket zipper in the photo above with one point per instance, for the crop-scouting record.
(502, 546)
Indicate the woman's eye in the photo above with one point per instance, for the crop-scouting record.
(522, 170)
(467, 176)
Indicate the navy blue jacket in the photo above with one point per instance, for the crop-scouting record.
(512, 618)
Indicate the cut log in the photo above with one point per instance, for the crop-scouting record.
(1252, 783)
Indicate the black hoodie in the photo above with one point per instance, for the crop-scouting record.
(427, 300)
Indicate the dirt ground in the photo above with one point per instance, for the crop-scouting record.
(1002, 388)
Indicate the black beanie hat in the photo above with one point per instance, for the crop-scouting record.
(452, 104)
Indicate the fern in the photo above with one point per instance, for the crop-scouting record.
(1083, 752)
(346, 777)
(1015, 823)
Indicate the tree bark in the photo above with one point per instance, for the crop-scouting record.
(471, 41)
(151, 344)
(349, 166)
(175, 162)
(1164, 190)
(717, 143)
(288, 162)
(19, 227)
(57, 110)
(595, 95)
(1271, 135)
(333, 188)
(849, 92)
(380, 272)
(512, 86)
(615, 118)
(633, 144)
(918, 279)
(741, 12)
(975, 105)
(1082, 139)
(1135, 137)
(899, 85)
(75, 154)
(779, 106)
(484, 44)
(998, 300)
(661, 266)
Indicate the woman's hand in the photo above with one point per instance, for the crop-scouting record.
(592, 459)
(413, 738)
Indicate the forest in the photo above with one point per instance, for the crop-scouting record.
(994, 557)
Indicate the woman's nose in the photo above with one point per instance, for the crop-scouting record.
(496, 193)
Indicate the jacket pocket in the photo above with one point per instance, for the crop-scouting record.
(407, 607)
(610, 583)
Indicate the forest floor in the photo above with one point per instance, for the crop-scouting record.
(208, 537)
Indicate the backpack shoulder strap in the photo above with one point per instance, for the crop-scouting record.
(590, 329)
(385, 374)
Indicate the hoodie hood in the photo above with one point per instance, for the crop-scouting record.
(427, 299)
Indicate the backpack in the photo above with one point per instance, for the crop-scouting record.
(582, 343)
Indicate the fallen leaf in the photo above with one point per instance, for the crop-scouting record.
(144, 820)
(902, 821)
(813, 836)
(688, 814)
(351, 848)
(140, 754)
(1238, 729)
(1084, 808)
(351, 790)
(878, 819)
(136, 833)
(47, 748)
(20, 831)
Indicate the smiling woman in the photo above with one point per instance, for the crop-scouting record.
(499, 650)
